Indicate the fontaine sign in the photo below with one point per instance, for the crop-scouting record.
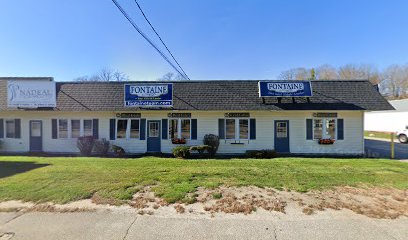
(285, 89)
(31, 93)
(149, 95)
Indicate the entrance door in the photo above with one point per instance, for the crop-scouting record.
(36, 140)
(282, 136)
(153, 136)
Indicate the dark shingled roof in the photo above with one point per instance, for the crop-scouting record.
(219, 95)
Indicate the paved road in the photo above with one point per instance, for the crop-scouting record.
(120, 226)
(379, 148)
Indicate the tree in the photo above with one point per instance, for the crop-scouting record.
(359, 72)
(104, 75)
(326, 72)
(312, 74)
(171, 77)
(295, 74)
(395, 81)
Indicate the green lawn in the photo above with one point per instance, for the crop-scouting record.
(67, 179)
(377, 134)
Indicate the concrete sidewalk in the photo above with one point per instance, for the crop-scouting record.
(125, 225)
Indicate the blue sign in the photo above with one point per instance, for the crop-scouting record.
(149, 95)
(285, 89)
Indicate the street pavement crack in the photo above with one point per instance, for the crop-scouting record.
(127, 231)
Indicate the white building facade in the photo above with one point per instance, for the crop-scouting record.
(232, 110)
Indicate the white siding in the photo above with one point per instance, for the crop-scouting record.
(207, 122)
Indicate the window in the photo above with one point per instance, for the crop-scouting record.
(121, 128)
(88, 130)
(75, 128)
(62, 128)
(243, 129)
(10, 128)
(324, 128)
(230, 128)
(236, 128)
(330, 128)
(134, 128)
(154, 129)
(173, 128)
(185, 128)
(180, 128)
(317, 128)
(281, 130)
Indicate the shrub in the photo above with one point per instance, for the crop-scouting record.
(118, 151)
(200, 148)
(213, 141)
(85, 145)
(266, 153)
(181, 152)
(101, 146)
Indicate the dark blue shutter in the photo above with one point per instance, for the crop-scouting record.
(54, 128)
(309, 129)
(194, 129)
(1, 128)
(143, 129)
(17, 126)
(112, 128)
(164, 128)
(221, 128)
(252, 128)
(340, 129)
(95, 130)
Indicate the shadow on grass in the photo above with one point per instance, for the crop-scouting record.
(8, 169)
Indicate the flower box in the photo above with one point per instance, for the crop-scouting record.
(178, 141)
(326, 141)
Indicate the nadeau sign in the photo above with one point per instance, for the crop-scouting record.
(285, 89)
(149, 95)
(31, 93)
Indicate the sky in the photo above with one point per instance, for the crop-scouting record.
(211, 39)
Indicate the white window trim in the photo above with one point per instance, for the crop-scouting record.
(128, 126)
(178, 127)
(69, 127)
(82, 127)
(237, 129)
(5, 128)
(324, 136)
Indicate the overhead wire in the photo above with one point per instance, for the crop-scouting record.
(161, 40)
(146, 37)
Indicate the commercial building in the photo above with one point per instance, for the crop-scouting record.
(316, 117)
(388, 121)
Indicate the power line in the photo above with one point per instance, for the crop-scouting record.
(154, 30)
(145, 37)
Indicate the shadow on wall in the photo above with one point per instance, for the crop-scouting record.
(8, 169)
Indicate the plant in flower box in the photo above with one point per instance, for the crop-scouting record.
(178, 141)
(326, 141)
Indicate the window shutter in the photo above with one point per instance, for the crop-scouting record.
(1, 128)
(17, 128)
(112, 128)
(221, 128)
(164, 129)
(252, 128)
(309, 129)
(54, 128)
(194, 129)
(95, 125)
(340, 129)
(143, 129)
